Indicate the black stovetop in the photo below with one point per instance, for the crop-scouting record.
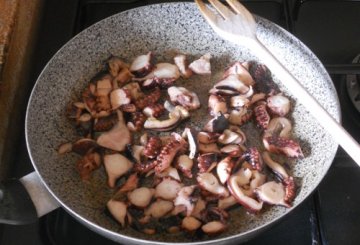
(329, 28)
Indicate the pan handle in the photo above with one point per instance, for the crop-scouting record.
(23, 201)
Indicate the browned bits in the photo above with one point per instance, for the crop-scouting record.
(102, 103)
(261, 115)
(149, 99)
(152, 147)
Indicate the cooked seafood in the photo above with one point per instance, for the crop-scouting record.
(192, 177)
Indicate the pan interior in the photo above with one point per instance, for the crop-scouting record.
(166, 29)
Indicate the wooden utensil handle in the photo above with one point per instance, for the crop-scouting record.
(340, 135)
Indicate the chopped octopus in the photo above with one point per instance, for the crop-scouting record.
(183, 182)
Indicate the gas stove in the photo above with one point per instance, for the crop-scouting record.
(329, 28)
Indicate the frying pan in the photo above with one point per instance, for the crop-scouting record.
(167, 29)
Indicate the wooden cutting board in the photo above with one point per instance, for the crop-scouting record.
(18, 28)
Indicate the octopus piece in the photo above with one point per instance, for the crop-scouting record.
(65, 148)
(190, 224)
(184, 198)
(216, 105)
(227, 202)
(184, 163)
(167, 154)
(119, 97)
(288, 147)
(152, 147)
(83, 146)
(141, 197)
(202, 65)
(263, 80)
(142, 65)
(118, 210)
(163, 75)
(232, 150)
(253, 156)
(276, 167)
(209, 182)
(115, 65)
(262, 117)
(102, 100)
(135, 152)
(181, 62)
(239, 101)
(279, 104)
(231, 137)
(145, 167)
(103, 124)
(240, 116)
(290, 189)
(240, 69)
(128, 108)
(272, 193)
(175, 117)
(87, 164)
(133, 89)
(213, 227)
(199, 207)
(207, 137)
(257, 179)
(182, 96)
(74, 110)
(224, 168)
(116, 165)
(231, 85)
(144, 139)
(137, 121)
(159, 208)
(149, 99)
(84, 124)
(207, 161)
(234, 184)
(168, 189)
(170, 172)
(131, 184)
(119, 70)
(191, 139)
(214, 213)
(217, 124)
(280, 126)
(184, 113)
(116, 138)
(155, 110)
(257, 97)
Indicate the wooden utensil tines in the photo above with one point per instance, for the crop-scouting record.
(236, 24)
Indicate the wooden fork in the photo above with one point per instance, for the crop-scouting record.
(236, 24)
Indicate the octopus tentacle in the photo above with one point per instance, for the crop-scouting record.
(262, 117)
(288, 147)
(253, 156)
(152, 147)
(167, 154)
(149, 99)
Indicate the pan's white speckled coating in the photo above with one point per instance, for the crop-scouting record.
(166, 29)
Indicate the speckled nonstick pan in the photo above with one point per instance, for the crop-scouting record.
(166, 29)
